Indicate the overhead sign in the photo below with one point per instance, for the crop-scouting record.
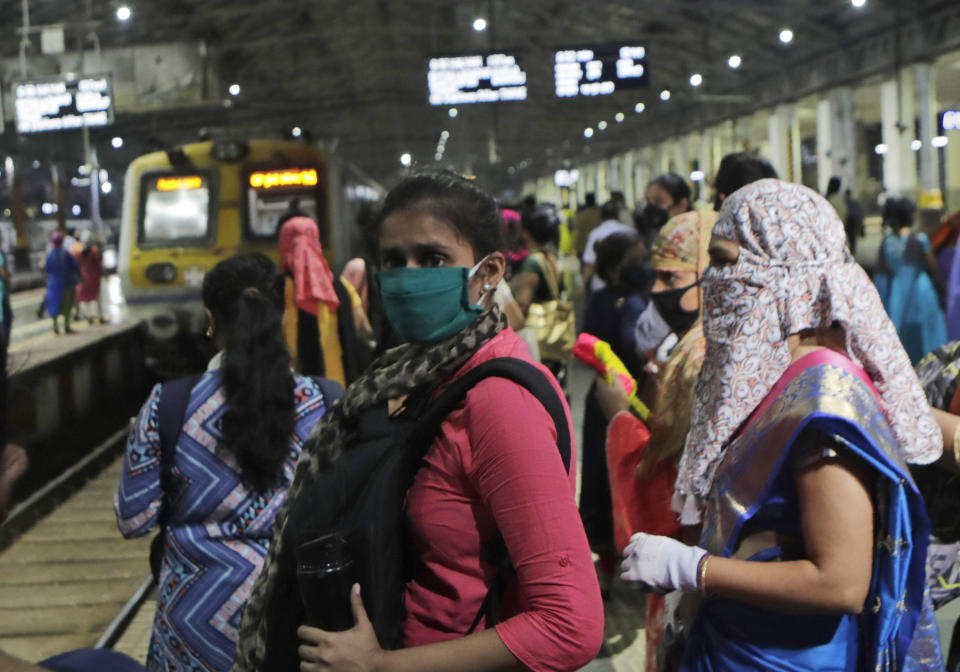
(490, 78)
(187, 182)
(63, 103)
(284, 178)
(599, 71)
(950, 120)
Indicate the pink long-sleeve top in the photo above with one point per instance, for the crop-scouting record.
(495, 466)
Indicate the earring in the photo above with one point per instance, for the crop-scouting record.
(209, 332)
(486, 287)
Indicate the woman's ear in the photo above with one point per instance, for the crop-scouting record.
(492, 270)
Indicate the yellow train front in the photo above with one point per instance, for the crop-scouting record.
(187, 208)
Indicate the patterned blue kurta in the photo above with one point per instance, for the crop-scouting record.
(218, 530)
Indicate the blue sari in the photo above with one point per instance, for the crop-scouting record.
(754, 498)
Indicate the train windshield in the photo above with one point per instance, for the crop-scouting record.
(272, 194)
(175, 210)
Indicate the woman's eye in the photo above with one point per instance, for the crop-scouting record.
(391, 261)
(433, 261)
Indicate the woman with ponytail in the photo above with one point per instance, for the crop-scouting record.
(236, 448)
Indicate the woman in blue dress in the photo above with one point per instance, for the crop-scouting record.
(812, 535)
(63, 274)
(238, 445)
(903, 279)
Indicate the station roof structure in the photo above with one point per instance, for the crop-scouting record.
(354, 73)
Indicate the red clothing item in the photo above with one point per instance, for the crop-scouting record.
(495, 466)
(91, 269)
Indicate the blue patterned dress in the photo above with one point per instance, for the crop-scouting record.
(218, 530)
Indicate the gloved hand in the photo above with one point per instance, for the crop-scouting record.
(661, 562)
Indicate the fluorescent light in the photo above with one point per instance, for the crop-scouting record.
(480, 25)
(234, 89)
(858, 3)
(619, 117)
(697, 176)
(438, 156)
(76, 210)
(786, 36)
(453, 112)
(106, 187)
(696, 79)
(123, 13)
(916, 145)
(296, 131)
(665, 95)
(939, 141)
(444, 134)
(734, 61)
(588, 132)
(602, 125)
(639, 107)
(116, 142)
(406, 159)
(880, 149)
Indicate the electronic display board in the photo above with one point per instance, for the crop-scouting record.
(63, 103)
(481, 78)
(950, 120)
(599, 70)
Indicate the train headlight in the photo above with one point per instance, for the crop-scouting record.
(164, 273)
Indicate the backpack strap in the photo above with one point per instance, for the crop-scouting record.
(534, 381)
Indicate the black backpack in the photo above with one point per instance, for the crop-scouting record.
(363, 495)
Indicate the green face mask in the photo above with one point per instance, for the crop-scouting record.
(428, 305)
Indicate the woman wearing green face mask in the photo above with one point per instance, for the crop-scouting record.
(493, 466)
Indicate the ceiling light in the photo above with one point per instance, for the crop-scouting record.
(123, 13)
(786, 36)
(734, 61)
(858, 3)
(296, 131)
(665, 95)
(76, 210)
(697, 176)
(480, 25)
(588, 132)
(619, 117)
(116, 142)
(234, 90)
(406, 159)
(602, 125)
(438, 156)
(106, 187)
(880, 149)
(444, 134)
(696, 79)
(916, 145)
(639, 107)
(939, 141)
(452, 112)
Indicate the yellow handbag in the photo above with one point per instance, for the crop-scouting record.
(553, 322)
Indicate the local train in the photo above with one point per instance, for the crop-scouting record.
(188, 207)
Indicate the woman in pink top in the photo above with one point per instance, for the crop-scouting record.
(494, 465)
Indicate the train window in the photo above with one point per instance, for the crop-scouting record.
(176, 209)
(273, 193)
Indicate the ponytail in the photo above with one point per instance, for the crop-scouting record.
(258, 383)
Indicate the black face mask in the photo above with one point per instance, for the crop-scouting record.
(668, 305)
(654, 217)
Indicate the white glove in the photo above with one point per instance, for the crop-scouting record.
(661, 562)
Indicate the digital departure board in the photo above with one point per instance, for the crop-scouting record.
(489, 78)
(63, 103)
(599, 71)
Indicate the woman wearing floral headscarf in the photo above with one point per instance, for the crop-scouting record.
(643, 464)
(318, 319)
(805, 413)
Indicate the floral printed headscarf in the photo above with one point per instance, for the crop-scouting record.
(300, 252)
(794, 272)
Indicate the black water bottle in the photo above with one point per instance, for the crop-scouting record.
(325, 574)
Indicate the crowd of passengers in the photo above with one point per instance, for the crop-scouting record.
(761, 483)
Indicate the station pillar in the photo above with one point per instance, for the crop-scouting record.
(783, 132)
(926, 97)
(626, 179)
(835, 139)
(705, 165)
(897, 119)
